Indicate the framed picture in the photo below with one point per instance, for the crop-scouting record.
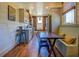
(11, 13)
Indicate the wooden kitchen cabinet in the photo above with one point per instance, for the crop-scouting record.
(21, 15)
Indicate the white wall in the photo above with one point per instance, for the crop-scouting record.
(7, 28)
(72, 30)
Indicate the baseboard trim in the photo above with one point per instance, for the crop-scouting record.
(2, 53)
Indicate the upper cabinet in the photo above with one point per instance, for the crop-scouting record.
(21, 15)
(24, 16)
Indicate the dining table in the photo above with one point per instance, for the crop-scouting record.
(49, 37)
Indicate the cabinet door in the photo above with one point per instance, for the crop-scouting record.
(21, 15)
(30, 34)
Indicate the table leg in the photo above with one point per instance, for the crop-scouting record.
(52, 46)
(54, 43)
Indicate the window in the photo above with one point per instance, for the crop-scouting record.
(39, 23)
(39, 19)
(69, 17)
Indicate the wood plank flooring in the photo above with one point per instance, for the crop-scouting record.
(30, 50)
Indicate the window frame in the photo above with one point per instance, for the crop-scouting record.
(39, 18)
(74, 18)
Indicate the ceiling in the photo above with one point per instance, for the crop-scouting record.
(40, 8)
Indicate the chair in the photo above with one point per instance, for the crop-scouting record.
(20, 35)
(42, 43)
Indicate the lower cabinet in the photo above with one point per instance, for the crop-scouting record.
(29, 34)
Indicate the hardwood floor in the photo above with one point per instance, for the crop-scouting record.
(30, 50)
(19, 51)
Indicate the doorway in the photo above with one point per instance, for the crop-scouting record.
(39, 22)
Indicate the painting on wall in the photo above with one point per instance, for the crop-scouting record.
(11, 13)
